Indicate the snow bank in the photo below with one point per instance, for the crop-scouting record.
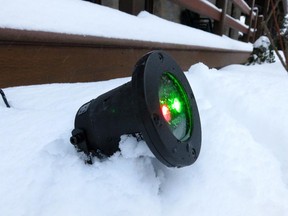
(242, 168)
(85, 18)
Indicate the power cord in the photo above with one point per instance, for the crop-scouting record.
(4, 98)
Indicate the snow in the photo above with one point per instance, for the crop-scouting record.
(242, 168)
(85, 18)
(262, 41)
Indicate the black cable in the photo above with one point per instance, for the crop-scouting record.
(4, 98)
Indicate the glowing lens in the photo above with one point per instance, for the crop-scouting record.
(166, 113)
(175, 107)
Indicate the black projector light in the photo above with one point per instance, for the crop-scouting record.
(158, 104)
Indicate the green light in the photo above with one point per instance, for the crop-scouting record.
(175, 107)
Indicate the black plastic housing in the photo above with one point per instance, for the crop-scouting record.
(134, 108)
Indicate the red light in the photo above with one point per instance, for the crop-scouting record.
(166, 113)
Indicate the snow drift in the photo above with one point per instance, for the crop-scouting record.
(242, 168)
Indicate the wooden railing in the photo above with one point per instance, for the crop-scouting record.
(219, 13)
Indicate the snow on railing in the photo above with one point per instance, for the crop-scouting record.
(219, 14)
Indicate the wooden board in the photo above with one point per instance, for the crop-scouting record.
(28, 57)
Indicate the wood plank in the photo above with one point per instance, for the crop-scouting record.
(235, 24)
(243, 6)
(219, 26)
(41, 57)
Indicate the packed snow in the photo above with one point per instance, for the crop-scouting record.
(242, 168)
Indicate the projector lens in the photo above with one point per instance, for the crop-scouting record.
(175, 107)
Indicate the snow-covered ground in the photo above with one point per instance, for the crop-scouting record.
(242, 168)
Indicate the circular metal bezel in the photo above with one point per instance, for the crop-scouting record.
(161, 141)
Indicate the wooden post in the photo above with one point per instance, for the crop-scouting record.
(255, 24)
(266, 11)
(259, 27)
(149, 5)
(131, 6)
(249, 20)
(266, 6)
(236, 13)
(219, 26)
